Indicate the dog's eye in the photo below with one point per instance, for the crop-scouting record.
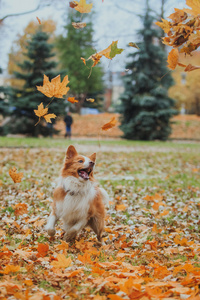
(80, 161)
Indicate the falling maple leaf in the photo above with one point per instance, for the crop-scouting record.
(72, 4)
(115, 50)
(79, 25)
(38, 20)
(173, 59)
(90, 99)
(195, 7)
(134, 45)
(42, 112)
(49, 117)
(83, 7)
(16, 177)
(191, 68)
(110, 124)
(72, 100)
(110, 52)
(55, 88)
(62, 261)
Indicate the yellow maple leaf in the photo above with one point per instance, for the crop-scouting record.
(62, 261)
(83, 7)
(16, 177)
(49, 117)
(10, 269)
(173, 59)
(195, 7)
(41, 111)
(55, 88)
(110, 124)
(90, 99)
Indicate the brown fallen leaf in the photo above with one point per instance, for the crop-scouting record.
(62, 261)
(16, 177)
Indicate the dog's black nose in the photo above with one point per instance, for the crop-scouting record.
(91, 164)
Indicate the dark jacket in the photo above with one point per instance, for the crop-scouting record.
(68, 120)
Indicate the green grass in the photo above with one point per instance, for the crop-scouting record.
(30, 142)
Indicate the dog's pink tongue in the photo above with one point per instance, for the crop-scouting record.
(84, 175)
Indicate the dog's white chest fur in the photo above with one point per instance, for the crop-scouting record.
(77, 201)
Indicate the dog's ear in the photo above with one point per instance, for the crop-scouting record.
(93, 157)
(71, 152)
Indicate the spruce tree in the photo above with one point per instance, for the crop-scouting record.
(145, 106)
(39, 62)
(72, 45)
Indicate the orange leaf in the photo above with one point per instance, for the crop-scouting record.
(148, 198)
(164, 213)
(49, 117)
(41, 111)
(16, 177)
(10, 269)
(195, 7)
(190, 68)
(83, 7)
(38, 20)
(85, 258)
(110, 124)
(42, 250)
(115, 297)
(173, 59)
(55, 88)
(120, 207)
(62, 261)
(28, 282)
(72, 100)
(83, 59)
(20, 209)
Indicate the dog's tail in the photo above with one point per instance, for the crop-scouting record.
(105, 197)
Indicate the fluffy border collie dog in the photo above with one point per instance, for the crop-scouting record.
(77, 199)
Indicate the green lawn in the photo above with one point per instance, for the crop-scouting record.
(63, 143)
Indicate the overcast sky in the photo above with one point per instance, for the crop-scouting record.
(113, 21)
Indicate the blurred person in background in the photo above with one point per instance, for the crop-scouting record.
(68, 121)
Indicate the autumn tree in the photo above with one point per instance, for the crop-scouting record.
(39, 61)
(145, 106)
(72, 45)
(18, 51)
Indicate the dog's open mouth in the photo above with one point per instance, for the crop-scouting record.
(84, 173)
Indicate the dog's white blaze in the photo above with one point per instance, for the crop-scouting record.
(74, 208)
(86, 162)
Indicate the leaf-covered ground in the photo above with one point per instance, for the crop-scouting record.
(151, 244)
(183, 126)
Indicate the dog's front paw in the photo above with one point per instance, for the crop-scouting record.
(70, 236)
(51, 232)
